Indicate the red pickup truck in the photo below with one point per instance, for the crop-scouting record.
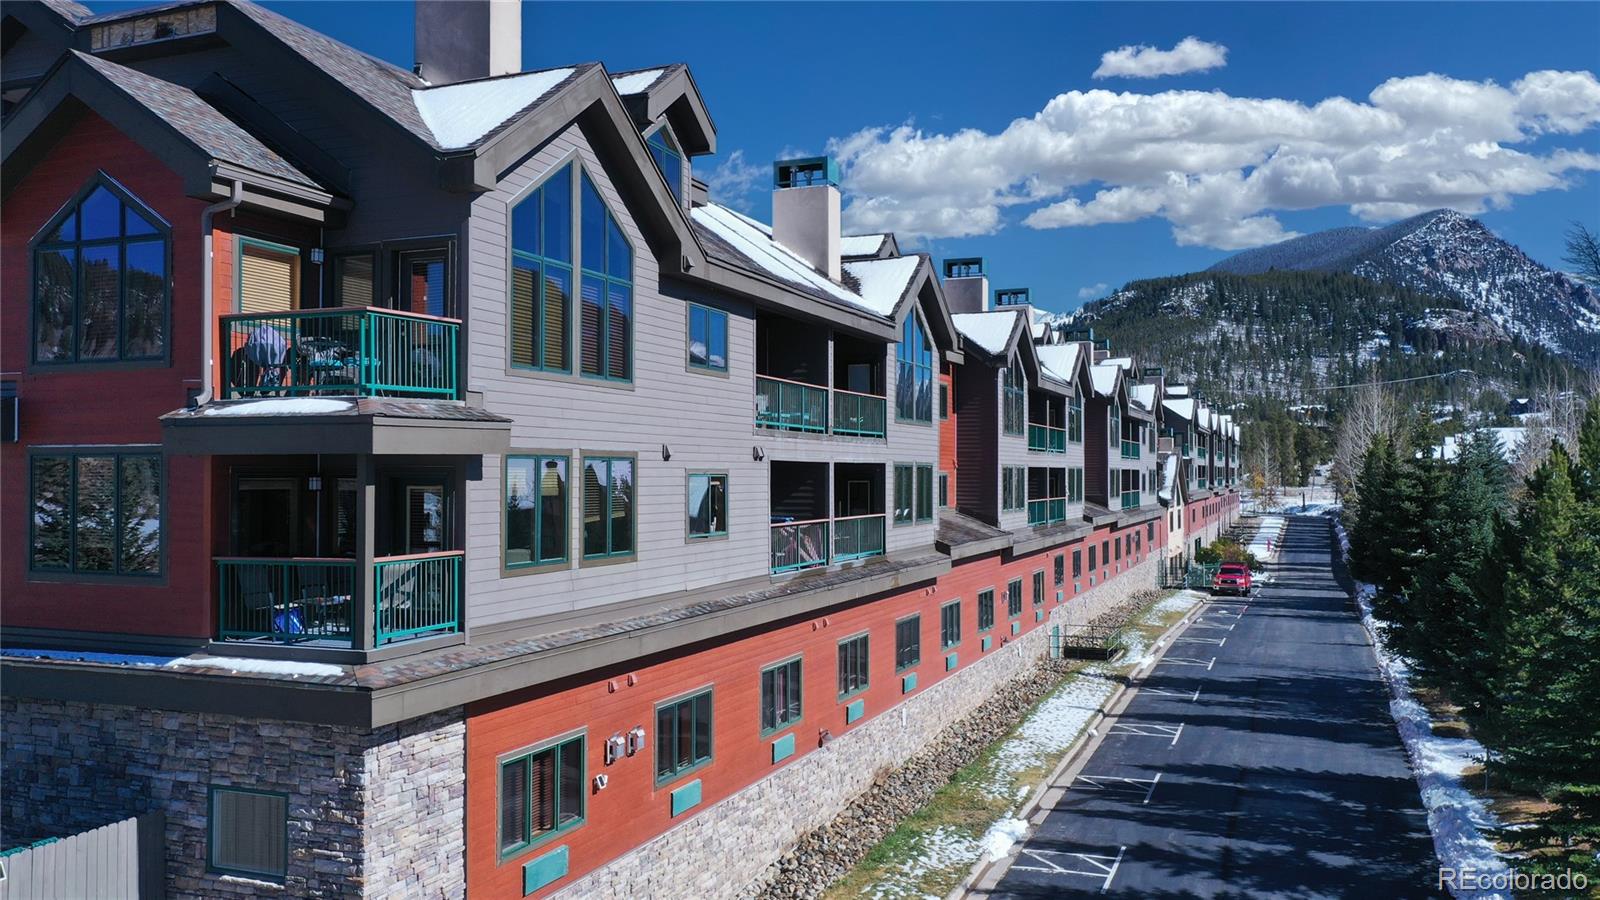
(1232, 578)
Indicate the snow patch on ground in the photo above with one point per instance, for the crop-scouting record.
(1457, 819)
(1269, 537)
(1000, 837)
(1051, 729)
(941, 848)
(256, 666)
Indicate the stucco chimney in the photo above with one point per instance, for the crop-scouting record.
(966, 287)
(805, 211)
(458, 40)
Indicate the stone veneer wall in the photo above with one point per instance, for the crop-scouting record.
(724, 850)
(375, 814)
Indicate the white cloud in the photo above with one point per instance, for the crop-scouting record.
(1217, 167)
(733, 181)
(1092, 291)
(1189, 55)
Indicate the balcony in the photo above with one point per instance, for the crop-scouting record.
(1048, 511)
(1047, 438)
(1130, 449)
(858, 415)
(799, 545)
(354, 352)
(858, 537)
(807, 533)
(310, 600)
(1130, 499)
(791, 405)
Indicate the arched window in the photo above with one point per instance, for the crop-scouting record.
(1015, 405)
(664, 147)
(913, 392)
(100, 288)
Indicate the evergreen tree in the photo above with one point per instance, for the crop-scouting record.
(1586, 477)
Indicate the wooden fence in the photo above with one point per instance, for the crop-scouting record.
(122, 860)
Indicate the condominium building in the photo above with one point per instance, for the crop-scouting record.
(421, 486)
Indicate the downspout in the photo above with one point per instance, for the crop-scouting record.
(235, 197)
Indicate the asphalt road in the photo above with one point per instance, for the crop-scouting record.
(1282, 777)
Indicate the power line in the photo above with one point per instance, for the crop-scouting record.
(1359, 384)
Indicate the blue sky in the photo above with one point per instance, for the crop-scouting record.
(782, 77)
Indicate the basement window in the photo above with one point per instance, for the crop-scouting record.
(249, 832)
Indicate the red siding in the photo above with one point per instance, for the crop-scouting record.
(104, 405)
(947, 429)
(632, 809)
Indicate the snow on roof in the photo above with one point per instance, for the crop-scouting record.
(1510, 440)
(1177, 390)
(1144, 395)
(1121, 362)
(459, 115)
(1202, 416)
(634, 82)
(860, 244)
(1039, 329)
(279, 406)
(989, 330)
(1183, 408)
(883, 281)
(1060, 360)
(1104, 378)
(754, 240)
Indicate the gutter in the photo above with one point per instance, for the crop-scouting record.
(235, 197)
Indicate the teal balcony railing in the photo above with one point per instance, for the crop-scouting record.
(857, 537)
(1130, 499)
(1130, 449)
(1047, 438)
(362, 352)
(791, 405)
(1047, 511)
(799, 545)
(859, 415)
(285, 600)
(416, 596)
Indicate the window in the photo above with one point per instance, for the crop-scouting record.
(1114, 428)
(1014, 598)
(683, 736)
(853, 665)
(913, 389)
(1061, 569)
(1038, 588)
(607, 506)
(1092, 565)
(1077, 563)
(986, 609)
(907, 643)
(1150, 532)
(944, 401)
(1013, 488)
(913, 494)
(1105, 553)
(536, 510)
(950, 624)
(1118, 545)
(606, 292)
(708, 338)
(944, 490)
(1075, 416)
(353, 282)
(422, 284)
(541, 793)
(541, 276)
(664, 149)
(100, 290)
(924, 493)
(1013, 395)
(708, 505)
(780, 696)
(1075, 485)
(249, 832)
(96, 513)
(266, 276)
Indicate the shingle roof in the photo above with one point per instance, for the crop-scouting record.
(465, 114)
(197, 120)
(989, 330)
(638, 81)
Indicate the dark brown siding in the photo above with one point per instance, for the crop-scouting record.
(977, 408)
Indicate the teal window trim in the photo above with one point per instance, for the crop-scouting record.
(715, 320)
(1038, 588)
(663, 146)
(240, 242)
(606, 514)
(900, 664)
(524, 755)
(539, 460)
(708, 477)
(905, 496)
(211, 831)
(1014, 408)
(677, 772)
(986, 604)
(1014, 598)
(606, 282)
(794, 679)
(535, 196)
(922, 513)
(950, 620)
(913, 373)
(1075, 416)
(864, 640)
(117, 455)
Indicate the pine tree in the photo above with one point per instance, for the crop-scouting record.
(1586, 477)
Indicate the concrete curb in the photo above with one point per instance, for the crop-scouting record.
(984, 873)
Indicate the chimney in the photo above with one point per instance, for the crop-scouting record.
(459, 40)
(805, 210)
(966, 288)
(1011, 297)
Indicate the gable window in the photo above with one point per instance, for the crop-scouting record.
(541, 275)
(907, 643)
(100, 289)
(664, 149)
(708, 338)
(986, 609)
(1013, 395)
(913, 389)
(780, 696)
(1075, 416)
(96, 513)
(536, 510)
(422, 283)
(606, 323)
(854, 672)
(950, 624)
(541, 793)
(1014, 598)
(683, 736)
(248, 832)
(708, 505)
(607, 506)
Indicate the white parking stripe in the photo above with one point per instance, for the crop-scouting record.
(1095, 865)
(1188, 661)
(1167, 692)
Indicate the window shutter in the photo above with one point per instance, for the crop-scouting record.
(557, 300)
(593, 322)
(523, 280)
(542, 781)
(267, 280)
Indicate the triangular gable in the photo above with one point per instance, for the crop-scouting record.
(674, 94)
